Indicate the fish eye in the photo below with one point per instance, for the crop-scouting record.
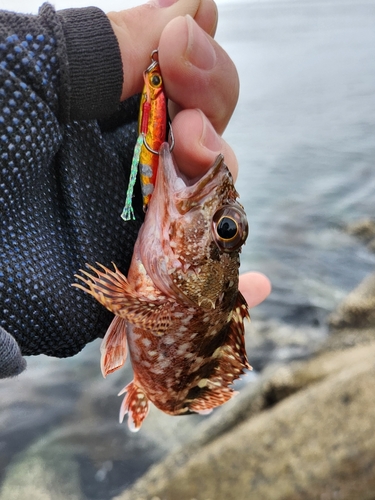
(230, 228)
(156, 80)
(227, 228)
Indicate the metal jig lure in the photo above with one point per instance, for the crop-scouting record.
(152, 129)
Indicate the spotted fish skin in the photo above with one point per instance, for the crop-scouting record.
(179, 312)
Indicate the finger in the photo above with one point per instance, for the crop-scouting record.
(255, 287)
(138, 32)
(197, 144)
(207, 16)
(197, 72)
(203, 15)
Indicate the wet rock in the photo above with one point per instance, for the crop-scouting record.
(37, 478)
(271, 342)
(347, 338)
(61, 416)
(318, 443)
(96, 462)
(364, 230)
(357, 310)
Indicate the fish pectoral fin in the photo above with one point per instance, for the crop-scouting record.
(113, 291)
(114, 347)
(110, 288)
(135, 404)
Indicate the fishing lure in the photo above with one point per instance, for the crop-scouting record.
(152, 130)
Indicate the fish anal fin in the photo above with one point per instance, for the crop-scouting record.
(114, 347)
(135, 404)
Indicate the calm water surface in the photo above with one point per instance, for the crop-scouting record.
(304, 133)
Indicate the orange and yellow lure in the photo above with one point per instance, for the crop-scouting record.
(152, 130)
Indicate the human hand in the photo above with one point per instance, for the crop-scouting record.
(202, 84)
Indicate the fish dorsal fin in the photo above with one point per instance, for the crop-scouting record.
(231, 362)
(114, 347)
(112, 290)
(213, 397)
(236, 334)
(135, 404)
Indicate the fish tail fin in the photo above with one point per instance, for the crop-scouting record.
(136, 404)
(114, 347)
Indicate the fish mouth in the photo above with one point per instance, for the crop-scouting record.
(173, 181)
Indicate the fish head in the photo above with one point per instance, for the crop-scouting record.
(193, 232)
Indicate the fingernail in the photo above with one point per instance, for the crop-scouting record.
(209, 138)
(199, 51)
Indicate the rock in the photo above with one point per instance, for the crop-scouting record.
(357, 310)
(270, 342)
(35, 478)
(364, 230)
(347, 338)
(318, 443)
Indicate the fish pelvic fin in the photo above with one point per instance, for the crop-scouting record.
(135, 404)
(114, 347)
(113, 291)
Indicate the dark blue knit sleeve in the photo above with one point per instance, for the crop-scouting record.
(65, 149)
(30, 133)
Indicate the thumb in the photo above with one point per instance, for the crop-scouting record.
(11, 361)
(138, 32)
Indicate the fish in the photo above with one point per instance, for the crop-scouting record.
(179, 313)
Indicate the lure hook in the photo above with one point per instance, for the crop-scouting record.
(153, 53)
(154, 61)
(171, 145)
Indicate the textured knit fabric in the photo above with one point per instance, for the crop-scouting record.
(65, 151)
(12, 362)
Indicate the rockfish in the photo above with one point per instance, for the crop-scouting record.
(179, 312)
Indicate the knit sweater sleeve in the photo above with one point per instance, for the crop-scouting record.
(65, 149)
(69, 61)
